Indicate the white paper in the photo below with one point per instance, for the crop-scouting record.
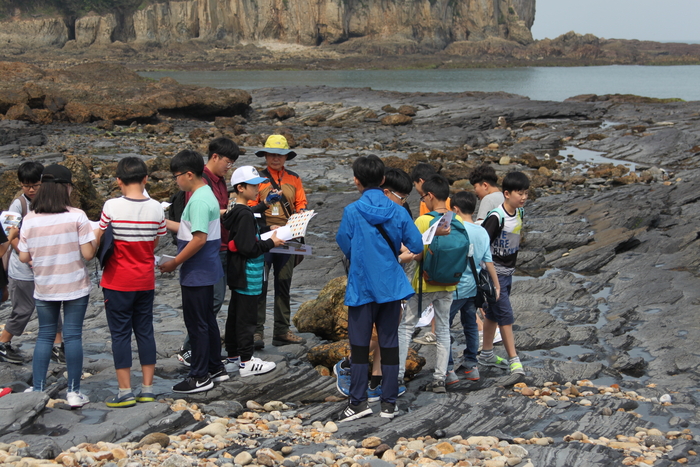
(429, 234)
(299, 222)
(165, 204)
(426, 317)
(284, 233)
(444, 221)
(160, 260)
(94, 225)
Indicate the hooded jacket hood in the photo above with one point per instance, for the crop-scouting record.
(375, 207)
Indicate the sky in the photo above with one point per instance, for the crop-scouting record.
(655, 20)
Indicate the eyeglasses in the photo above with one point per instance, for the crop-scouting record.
(31, 187)
(229, 165)
(175, 176)
(423, 197)
(399, 197)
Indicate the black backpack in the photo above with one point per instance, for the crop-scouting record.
(177, 206)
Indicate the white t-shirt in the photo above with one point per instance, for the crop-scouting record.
(53, 241)
(488, 203)
(18, 270)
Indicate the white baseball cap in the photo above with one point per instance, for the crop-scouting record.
(246, 174)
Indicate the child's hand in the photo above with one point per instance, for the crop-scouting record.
(12, 233)
(440, 231)
(168, 266)
(406, 256)
(276, 240)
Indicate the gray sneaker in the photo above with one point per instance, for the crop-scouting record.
(451, 378)
(471, 372)
(495, 361)
(437, 386)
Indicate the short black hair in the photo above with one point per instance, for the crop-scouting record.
(516, 181)
(243, 186)
(30, 172)
(131, 170)
(421, 172)
(484, 173)
(465, 201)
(438, 186)
(397, 180)
(224, 147)
(188, 161)
(369, 171)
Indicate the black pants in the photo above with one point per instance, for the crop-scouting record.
(200, 320)
(240, 325)
(360, 321)
(284, 269)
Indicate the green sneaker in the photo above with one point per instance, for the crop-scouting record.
(496, 361)
(126, 400)
(516, 368)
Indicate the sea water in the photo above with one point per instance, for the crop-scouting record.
(538, 83)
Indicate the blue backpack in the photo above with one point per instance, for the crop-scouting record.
(447, 256)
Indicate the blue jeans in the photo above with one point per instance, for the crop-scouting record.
(73, 315)
(467, 314)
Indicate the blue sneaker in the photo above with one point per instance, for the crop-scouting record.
(342, 378)
(373, 395)
(402, 389)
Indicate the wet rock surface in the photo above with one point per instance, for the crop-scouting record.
(606, 297)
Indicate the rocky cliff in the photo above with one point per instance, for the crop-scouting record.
(427, 24)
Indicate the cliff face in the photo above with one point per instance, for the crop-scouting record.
(432, 24)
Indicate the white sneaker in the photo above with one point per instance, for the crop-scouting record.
(29, 389)
(255, 366)
(77, 399)
(497, 337)
(232, 364)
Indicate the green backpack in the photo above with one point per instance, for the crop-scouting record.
(447, 256)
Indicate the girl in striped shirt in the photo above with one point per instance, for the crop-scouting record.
(54, 239)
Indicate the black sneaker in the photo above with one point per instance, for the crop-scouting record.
(191, 385)
(219, 376)
(353, 412)
(437, 386)
(58, 354)
(388, 410)
(184, 356)
(10, 355)
(258, 341)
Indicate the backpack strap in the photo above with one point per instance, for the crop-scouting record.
(23, 204)
(382, 231)
(286, 207)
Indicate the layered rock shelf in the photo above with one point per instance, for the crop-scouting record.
(606, 295)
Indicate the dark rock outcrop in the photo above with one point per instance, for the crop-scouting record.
(99, 91)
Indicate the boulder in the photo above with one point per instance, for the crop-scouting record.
(20, 112)
(326, 316)
(84, 195)
(396, 120)
(408, 110)
(108, 91)
(281, 113)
